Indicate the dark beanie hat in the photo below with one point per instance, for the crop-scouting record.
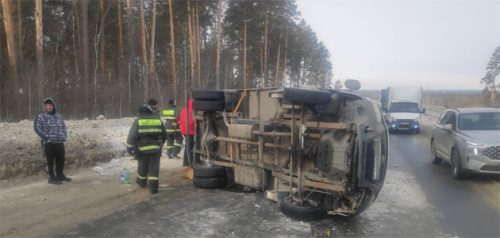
(48, 101)
(152, 102)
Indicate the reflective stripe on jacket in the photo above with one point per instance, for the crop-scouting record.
(147, 134)
(170, 117)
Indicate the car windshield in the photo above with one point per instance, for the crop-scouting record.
(404, 107)
(479, 121)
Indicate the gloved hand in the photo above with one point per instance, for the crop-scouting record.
(131, 151)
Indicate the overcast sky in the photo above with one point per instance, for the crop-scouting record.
(436, 44)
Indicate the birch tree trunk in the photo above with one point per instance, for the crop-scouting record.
(172, 49)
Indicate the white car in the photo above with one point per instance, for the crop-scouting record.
(468, 139)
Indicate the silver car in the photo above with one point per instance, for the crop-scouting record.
(468, 139)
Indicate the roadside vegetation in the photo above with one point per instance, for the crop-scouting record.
(108, 56)
(490, 78)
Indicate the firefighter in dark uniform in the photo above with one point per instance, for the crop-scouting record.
(145, 142)
(174, 137)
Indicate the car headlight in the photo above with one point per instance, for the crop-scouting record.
(416, 125)
(474, 148)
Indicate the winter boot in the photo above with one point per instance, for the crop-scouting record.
(141, 182)
(153, 186)
(64, 178)
(54, 181)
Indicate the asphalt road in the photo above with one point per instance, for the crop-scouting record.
(418, 200)
(467, 212)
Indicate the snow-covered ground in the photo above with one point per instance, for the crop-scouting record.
(89, 142)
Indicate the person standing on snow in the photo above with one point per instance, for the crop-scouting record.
(173, 132)
(188, 135)
(145, 141)
(49, 126)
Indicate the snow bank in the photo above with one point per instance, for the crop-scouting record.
(89, 141)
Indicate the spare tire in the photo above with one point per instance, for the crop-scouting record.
(307, 96)
(208, 95)
(231, 97)
(209, 106)
(217, 182)
(301, 213)
(201, 170)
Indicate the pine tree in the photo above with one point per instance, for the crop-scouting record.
(492, 71)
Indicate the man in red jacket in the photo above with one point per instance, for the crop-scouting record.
(187, 130)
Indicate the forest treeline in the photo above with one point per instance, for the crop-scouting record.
(108, 56)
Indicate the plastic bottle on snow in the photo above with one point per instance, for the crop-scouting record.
(124, 176)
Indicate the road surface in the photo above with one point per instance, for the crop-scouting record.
(418, 200)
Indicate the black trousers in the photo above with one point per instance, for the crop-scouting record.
(54, 157)
(178, 143)
(174, 143)
(148, 171)
(188, 152)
